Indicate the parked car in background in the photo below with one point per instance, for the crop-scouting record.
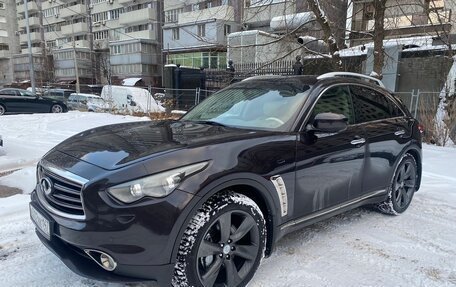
(1, 141)
(86, 102)
(201, 200)
(23, 101)
(58, 94)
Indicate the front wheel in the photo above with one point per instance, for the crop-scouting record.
(56, 109)
(2, 110)
(403, 187)
(223, 244)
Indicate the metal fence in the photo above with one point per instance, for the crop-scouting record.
(420, 102)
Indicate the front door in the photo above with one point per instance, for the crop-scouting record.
(329, 166)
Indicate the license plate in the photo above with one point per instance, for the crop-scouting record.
(43, 225)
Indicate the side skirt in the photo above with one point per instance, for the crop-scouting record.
(373, 197)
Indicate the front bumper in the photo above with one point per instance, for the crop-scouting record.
(141, 246)
(86, 267)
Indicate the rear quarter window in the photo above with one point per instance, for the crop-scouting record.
(371, 105)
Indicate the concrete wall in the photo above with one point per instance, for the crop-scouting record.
(423, 70)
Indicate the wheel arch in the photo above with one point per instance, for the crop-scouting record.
(413, 151)
(251, 188)
(4, 107)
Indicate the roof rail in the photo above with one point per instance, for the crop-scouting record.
(353, 75)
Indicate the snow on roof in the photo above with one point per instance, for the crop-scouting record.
(130, 81)
(252, 32)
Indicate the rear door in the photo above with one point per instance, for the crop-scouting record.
(387, 129)
(34, 104)
(329, 166)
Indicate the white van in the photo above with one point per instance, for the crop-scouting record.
(130, 98)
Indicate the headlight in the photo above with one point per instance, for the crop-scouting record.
(157, 185)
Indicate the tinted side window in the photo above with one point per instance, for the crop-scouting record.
(8, 92)
(336, 100)
(371, 105)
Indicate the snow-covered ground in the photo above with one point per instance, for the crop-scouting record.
(358, 248)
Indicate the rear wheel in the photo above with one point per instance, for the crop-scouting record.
(223, 244)
(402, 188)
(2, 110)
(56, 109)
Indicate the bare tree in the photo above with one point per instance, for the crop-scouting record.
(379, 36)
(328, 35)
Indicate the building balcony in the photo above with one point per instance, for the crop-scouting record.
(32, 7)
(33, 22)
(124, 2)
(74, 10)
(4, 54)
(407, 25)
(35, 50)
(140, 16)
(77, 44)
(76, 28)
(34, 37)
(223, 12)
(146, 34)
(50, 36)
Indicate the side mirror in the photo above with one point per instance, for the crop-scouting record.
(330, 123)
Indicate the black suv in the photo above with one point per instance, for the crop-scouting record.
(199, 201)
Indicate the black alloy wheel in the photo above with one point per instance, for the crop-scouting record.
(402, 187)
(228, 246)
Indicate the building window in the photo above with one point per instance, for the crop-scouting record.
(202, 30)
(172, 16)
(176, 35)
(226, 30)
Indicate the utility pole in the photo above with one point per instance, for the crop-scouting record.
(29, 43)
(78, 89)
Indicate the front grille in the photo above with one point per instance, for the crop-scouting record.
(65, 195)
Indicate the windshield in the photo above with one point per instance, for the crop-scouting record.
(253, 108)
(26, 93)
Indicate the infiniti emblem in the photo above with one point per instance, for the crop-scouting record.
(46, 185)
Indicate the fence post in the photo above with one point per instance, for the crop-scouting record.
(414, 102)
(197, 92)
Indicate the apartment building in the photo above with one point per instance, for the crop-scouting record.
(113, 39)
(405, 18)
(9, 44)
(194, 32)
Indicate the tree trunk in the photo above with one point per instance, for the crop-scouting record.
(379, 35)
(328, 36)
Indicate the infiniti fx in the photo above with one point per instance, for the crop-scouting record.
(200, 200)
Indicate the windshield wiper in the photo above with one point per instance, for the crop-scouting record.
(206, 122)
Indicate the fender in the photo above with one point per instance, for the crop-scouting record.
(265, 188)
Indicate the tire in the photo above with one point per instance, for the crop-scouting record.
(56, 109)
(402, 188)
(2, 110)
(226, 236)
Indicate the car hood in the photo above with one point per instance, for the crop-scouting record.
(114, 146)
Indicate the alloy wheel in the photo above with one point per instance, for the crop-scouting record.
(228, 250)
(2, 110)
(57, 109)
(404, 185)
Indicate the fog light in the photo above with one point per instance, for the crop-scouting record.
(102, 259)
(107, 262)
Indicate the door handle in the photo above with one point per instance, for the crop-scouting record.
(358, 141)
(399, 132)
